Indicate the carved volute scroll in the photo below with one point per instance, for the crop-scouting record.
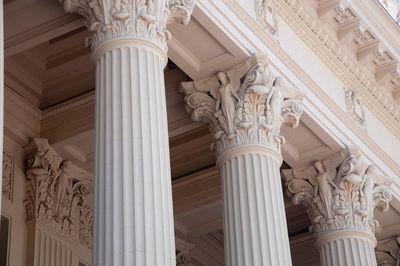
(340, 193)
(145, 19)
(57, 194)
(245, 105)
(388, 252)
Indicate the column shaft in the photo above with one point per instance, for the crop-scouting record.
(133, 195)
(345, 251)
(254, 212)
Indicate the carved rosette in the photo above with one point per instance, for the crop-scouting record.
(340, 193)
(55, 193)
(144, 19)
(183, 258)
(245, 105)
(388, 253)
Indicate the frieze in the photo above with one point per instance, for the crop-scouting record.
(355, 107)
(266, 16)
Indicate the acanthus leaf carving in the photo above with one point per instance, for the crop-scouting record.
(8, 176)
(245, 105)
(55, 194)
(340, 193)
(388, 252)
(144, 19)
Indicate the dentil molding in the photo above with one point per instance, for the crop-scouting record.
(245, 105)
(57, 194)
(340, 193)
(143, 19)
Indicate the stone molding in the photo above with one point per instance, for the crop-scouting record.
(143, 19)
(292, 66)
(57, 194)
(8, 176)
(245, 105)
(340, 193)
(388, 252)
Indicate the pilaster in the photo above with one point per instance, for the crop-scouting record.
(340, 195)
(245, 108)
(58, 207)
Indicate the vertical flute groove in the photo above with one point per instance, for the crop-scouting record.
(350, 250)
(133, 205)
(251, 184)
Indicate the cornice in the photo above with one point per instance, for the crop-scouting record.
(311, 84)
(311, 31)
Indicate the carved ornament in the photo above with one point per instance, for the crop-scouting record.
(245, 105)
(340, 193)
(56, 194)
(388, 253)
(355, 107)
(8, 176)
(145, 19)
(266, 16)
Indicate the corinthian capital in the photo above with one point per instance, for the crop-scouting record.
(245, 105)
(145, 19)
(388, 252)
(57, 192)
(340, 193)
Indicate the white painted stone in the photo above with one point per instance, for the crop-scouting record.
(245, 108)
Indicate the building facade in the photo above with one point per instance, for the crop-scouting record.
(200, 132)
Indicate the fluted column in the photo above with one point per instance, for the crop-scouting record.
(245, 108)
(341, 205)
(133, 218)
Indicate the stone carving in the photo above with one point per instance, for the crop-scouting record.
(355, 107)
(86, 226)
(54, 194)
(266, 15)
(147, 19)
(246, 105)
(387, 252)
(382, 58)
(183, 258)
(8, 176)
(340, 193)
(363, 37)
(344, 15)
